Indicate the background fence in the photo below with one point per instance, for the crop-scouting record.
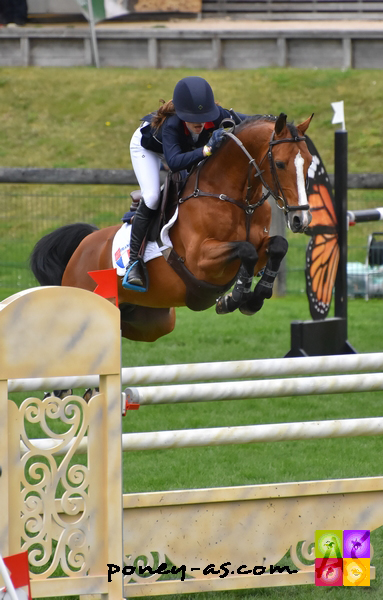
(26, 214)
(30, 210)
(263, 9)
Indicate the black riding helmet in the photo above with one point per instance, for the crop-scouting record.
(193, 100)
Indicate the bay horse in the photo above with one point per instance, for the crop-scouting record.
(220, 238)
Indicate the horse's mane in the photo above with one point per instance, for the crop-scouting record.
(266, 118)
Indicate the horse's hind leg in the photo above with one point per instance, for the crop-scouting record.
(249, 257)
(277, 249)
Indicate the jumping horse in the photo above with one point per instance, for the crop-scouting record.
(220, 237)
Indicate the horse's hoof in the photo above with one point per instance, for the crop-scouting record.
(251, 307)
(89, 393)
(246, 311)
(222, 305)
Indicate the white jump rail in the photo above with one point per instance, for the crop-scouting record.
(242, 369)
(264, 388)
(224, 436)
(232, 390)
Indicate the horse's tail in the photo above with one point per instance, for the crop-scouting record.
(51, 254)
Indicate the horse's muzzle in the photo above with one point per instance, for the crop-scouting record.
(299, 220)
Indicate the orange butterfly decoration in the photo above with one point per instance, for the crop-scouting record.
(322, 253)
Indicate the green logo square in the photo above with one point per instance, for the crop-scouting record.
(328, 543)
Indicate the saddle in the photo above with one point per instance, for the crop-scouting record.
(170, 192)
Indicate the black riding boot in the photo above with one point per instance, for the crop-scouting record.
(134, 277)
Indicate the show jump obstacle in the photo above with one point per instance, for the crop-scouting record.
(62, 496)
(66, 513)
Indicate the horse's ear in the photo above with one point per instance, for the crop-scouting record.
(280, 124)
(302, 128)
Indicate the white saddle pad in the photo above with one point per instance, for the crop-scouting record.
(121, 245)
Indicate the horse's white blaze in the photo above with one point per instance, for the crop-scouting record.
(299, 162)
(302, 195)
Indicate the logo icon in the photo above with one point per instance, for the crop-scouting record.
(342, 557)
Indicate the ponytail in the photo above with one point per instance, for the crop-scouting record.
(166, 110)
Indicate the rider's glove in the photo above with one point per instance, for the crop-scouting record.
(215, 141)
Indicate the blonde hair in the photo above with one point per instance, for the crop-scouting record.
(162, 113)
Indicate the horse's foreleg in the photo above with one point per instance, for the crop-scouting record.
(277, 250)
(248, 257)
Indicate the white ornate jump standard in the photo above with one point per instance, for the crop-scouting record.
(66, 512)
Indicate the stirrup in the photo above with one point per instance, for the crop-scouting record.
(129, 286)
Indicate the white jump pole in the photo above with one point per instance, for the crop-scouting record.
(263, 388)
(252, 434)
(241, 369)
(223, 436)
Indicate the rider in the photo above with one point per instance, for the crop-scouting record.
(184, 130)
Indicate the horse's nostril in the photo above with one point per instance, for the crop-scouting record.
(296, 222)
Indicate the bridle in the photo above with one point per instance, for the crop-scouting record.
(277, 193)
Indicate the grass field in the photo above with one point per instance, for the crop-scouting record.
(88, 122)
(207, 337)
(91, 115)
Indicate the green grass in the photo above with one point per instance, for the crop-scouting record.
(92, 113)
(88, 122)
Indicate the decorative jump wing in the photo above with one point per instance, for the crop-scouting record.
(322, 253)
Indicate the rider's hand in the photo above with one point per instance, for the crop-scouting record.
(215, 141)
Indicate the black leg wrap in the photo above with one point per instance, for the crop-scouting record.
(264, 288)
(242, 285)
(267, 281)
(232, 301)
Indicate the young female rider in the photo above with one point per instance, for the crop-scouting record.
(183, 131)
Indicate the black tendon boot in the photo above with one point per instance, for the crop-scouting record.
(134, 278)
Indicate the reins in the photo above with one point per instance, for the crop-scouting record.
(245, 204)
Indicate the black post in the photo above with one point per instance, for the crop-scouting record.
(340, 197)
(329, 336)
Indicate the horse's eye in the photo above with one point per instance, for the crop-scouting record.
(280, 164)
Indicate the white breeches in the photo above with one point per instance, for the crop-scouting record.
(146, 165)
